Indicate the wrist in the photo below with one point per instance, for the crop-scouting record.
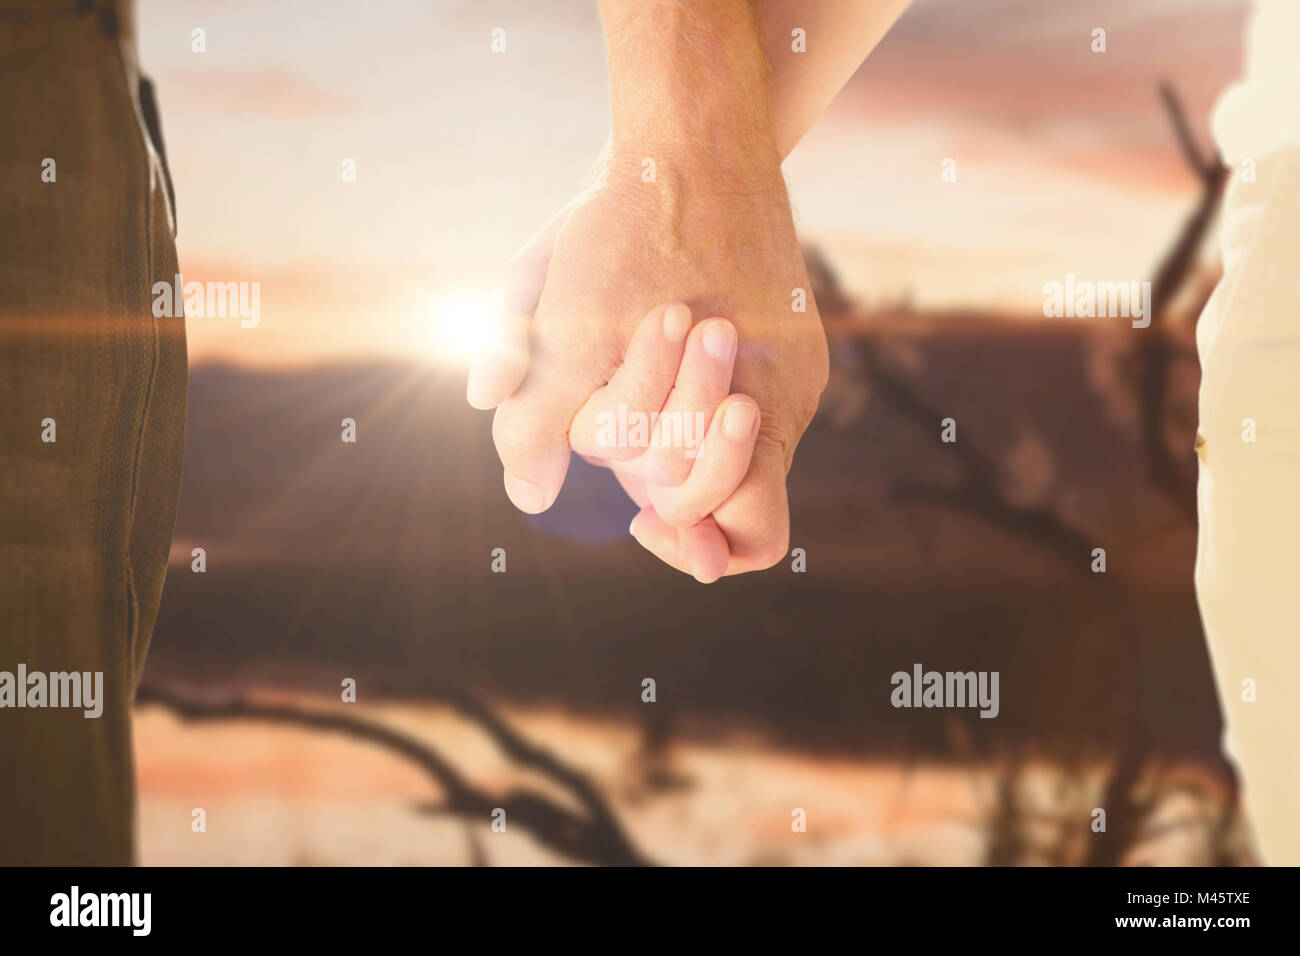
(689, 81)
(673, 171)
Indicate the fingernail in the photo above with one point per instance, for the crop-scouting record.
(738, 421)
(527, 497)
(720, 340)
(677, 323)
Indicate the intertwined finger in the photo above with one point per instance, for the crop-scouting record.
(703, 380)
(615, 423)
(721, 466)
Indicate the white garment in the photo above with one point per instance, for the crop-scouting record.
(1261, 113)
(1248, 337)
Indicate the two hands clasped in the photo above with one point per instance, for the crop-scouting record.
(666, 333)
(673, 287)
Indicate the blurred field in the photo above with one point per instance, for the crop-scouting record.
(372, 561)
(289, 797)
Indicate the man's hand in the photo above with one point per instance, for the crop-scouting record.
(720, 240)
(687, 204)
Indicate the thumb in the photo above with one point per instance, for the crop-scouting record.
(499, 364)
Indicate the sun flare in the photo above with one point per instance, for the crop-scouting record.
(461, 325)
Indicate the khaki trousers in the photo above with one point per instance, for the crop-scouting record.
(86, 518)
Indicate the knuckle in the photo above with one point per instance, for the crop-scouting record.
(681, 511)
(648, 387)
(773, 440)
(809, 397)
(666, 466)
(674, 514)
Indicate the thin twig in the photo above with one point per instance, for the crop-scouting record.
(595, 839)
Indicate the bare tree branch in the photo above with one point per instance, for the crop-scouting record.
(977, 490)
(594, 839)
(1156, 351)
(1207, 169)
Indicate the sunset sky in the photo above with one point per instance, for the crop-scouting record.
(1065, 158)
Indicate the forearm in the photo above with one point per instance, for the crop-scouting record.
(722, 76)
(689, 78)
(838, 35)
